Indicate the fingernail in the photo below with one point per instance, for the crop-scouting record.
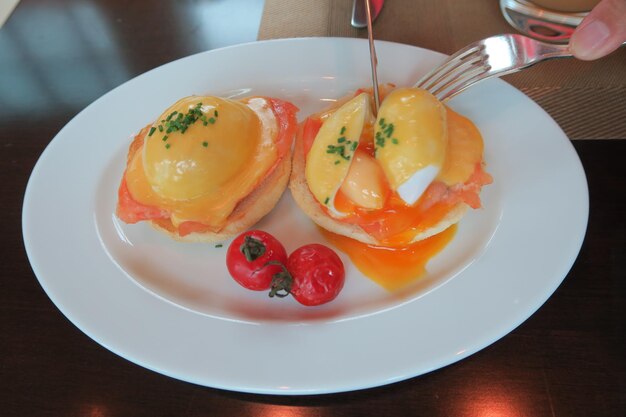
(588, 40)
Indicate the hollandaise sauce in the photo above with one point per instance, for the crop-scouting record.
(202, 156)
(409, 169)
(392, 267)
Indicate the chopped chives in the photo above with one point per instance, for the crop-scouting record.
(179, 122)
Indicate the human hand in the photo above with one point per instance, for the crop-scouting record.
(601, 32)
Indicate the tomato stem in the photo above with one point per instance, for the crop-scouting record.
(252, 248)
(281, 281)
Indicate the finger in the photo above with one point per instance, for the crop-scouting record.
(601, 32)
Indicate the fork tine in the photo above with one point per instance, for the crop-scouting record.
(462, 83)
(460, 72)
(449, 64)
(491, 57)
(450, 70)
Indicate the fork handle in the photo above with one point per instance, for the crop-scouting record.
(550, 50)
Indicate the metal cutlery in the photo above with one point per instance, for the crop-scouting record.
(373, 58)
(491, 57)
(359, 13)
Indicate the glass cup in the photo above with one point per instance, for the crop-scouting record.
(567, 6)
(547, 20)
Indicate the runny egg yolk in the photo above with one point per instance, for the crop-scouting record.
(392, 267)
(397, 264)
(402, 181)
(406, 143)
(203, 155)
(365, 183)
(396, 222)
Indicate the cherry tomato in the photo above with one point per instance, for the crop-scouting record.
(248, 256)
(318, 274)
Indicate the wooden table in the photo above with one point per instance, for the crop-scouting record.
(566, 360)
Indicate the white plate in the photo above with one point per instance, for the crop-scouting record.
(172, 308)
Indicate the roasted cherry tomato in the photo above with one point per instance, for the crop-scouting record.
(251, 256)
(318, 274)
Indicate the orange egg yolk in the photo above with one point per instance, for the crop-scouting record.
(392, 267)
(397, 262)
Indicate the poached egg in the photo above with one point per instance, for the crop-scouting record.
(202, 156)
(402, 151)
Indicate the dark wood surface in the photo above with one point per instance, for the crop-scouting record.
(566, 360)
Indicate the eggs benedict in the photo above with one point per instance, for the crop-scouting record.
(399, 177)
(209, 167)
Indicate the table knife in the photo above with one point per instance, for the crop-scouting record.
(359, 16)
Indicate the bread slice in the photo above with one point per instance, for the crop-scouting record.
(312, 208)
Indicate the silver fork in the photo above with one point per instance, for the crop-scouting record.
(490, 57)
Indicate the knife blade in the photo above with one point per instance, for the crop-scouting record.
(373, 58)
(359, 15)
